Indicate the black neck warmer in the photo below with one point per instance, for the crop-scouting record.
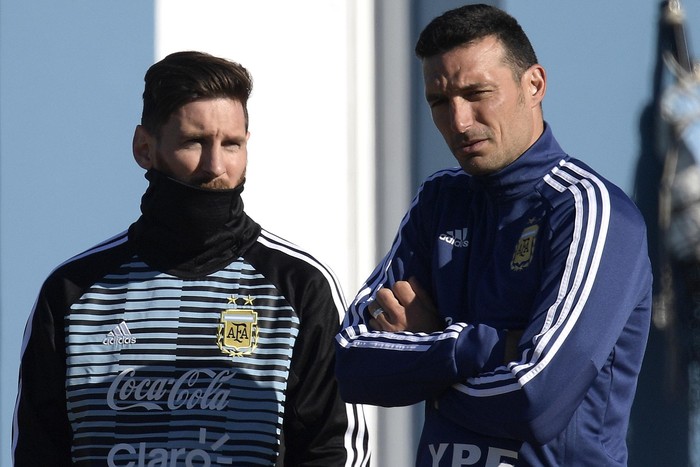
(189, 231)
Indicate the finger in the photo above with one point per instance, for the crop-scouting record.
(404, 293)
(386, 300)
(376, 311)
(512, 340)
(417, 288)
(380, 323)
(422, 295)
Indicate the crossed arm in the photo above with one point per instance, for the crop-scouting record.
(407, 307)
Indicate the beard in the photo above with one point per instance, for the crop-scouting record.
(219, 184)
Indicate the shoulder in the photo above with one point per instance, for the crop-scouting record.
(293, 269)
(96, 258)
(576, 187)
(444, 182)
(573, 176)
(447, 177)
(274, 252)
(69, 279)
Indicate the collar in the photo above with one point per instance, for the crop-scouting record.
(190, 231)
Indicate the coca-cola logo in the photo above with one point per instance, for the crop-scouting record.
(198, 388)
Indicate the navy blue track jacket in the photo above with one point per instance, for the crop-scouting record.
(545, 245)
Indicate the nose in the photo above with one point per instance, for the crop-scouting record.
(212, 161)
(461, 115)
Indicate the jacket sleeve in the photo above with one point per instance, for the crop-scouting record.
(40, 430)
(320, 429)
(396, 369)
(590, 321)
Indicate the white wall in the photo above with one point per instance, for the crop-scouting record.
(310, 170)
(311, 154)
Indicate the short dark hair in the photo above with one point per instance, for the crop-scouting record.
(184, 77)
(470, 23)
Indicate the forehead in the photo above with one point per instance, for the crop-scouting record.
(207, 108)
(220, 111)
(468, 64)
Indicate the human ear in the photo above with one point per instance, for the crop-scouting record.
(535, 80)
(143, 147)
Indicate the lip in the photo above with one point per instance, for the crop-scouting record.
(472, 146)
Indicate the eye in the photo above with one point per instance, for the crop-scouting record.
(436, 102)
(477, 94)
(192, 143)
(233, 144)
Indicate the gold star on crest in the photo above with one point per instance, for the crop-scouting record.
(248, 300)
(232, 300)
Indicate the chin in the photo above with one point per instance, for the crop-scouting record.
(220, 184)
(217, 184)
(476, 169)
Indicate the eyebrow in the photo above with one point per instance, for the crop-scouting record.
(460, 90)
(198, 134)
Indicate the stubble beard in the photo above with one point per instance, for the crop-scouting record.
(219, 184)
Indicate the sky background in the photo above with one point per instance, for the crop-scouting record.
(71, 74)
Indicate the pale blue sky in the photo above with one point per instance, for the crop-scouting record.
(71, 75)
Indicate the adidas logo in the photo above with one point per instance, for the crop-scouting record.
(456, 238)
(120, 335)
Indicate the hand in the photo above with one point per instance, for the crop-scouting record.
(512, 339)
(406, 307)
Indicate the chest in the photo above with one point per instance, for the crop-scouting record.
(487, 258)
(163, 353)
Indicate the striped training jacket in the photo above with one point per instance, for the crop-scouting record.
(193, 338)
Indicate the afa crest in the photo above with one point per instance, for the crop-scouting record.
(237, 334)
(525, 248)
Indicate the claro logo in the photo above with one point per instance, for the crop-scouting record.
(196, 389)
(146, 455)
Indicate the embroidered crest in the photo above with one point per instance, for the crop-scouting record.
(525, 248)
(237, 334)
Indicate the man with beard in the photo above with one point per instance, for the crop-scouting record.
(195, 337)
(515, 300)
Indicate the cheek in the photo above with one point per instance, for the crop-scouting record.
(175, 163)
(506, 120)
(237, 163)
(517, 137)
(441, 121)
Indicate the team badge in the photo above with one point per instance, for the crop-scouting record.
(525, 248)
(237, 333)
